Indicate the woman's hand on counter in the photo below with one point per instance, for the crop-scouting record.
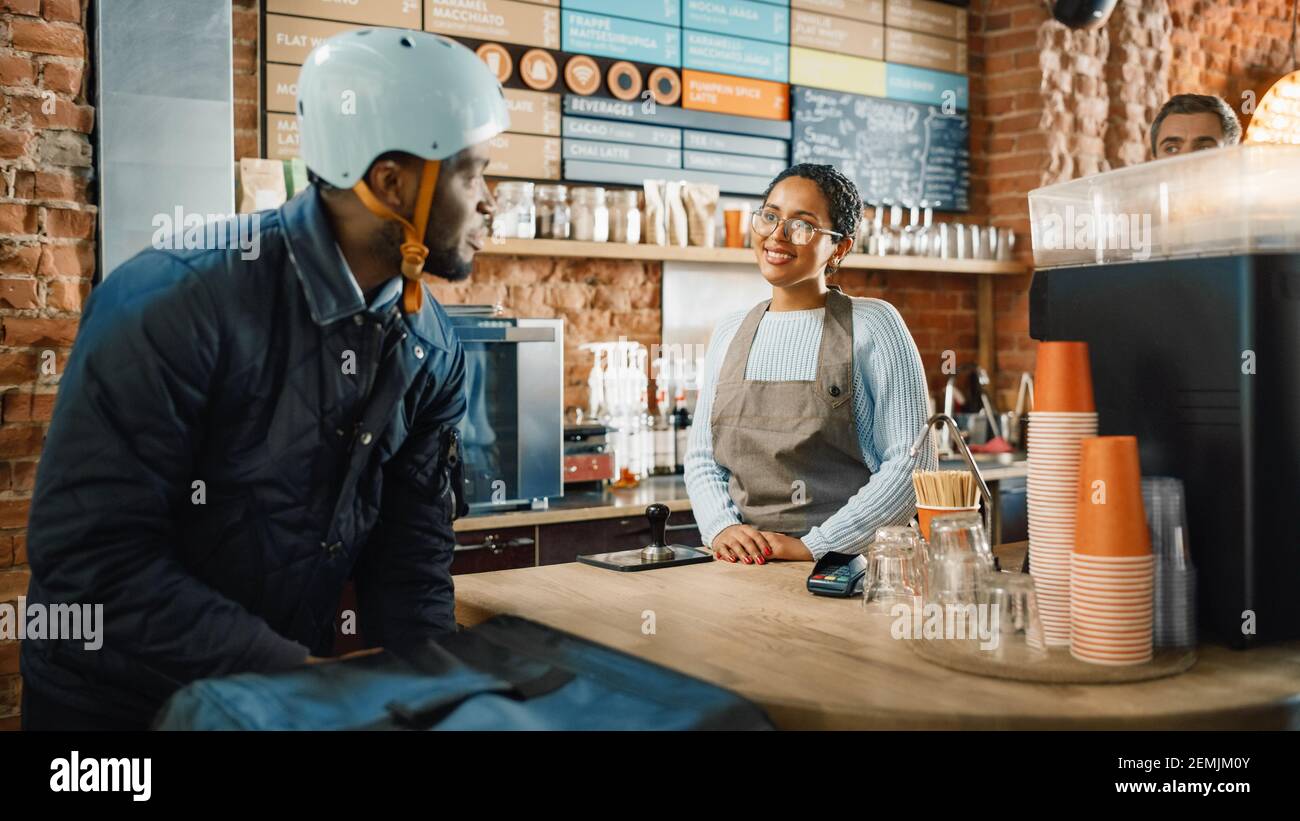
(742, 543)
(787, 548)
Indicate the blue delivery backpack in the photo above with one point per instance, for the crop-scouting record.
(508, 673)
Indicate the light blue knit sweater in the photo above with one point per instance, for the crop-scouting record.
(889, 405)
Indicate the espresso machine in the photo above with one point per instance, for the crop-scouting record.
(1194, 337)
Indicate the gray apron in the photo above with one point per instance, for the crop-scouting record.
(791, 447)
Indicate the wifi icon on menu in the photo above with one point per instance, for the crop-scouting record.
(582, 75)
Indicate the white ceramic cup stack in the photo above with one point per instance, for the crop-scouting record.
(1111, 615)
(1053, 494)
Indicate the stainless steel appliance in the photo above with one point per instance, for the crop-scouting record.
(512, 431)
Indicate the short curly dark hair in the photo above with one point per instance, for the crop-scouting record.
(840, 192)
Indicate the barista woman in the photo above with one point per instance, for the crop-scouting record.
(810, 400)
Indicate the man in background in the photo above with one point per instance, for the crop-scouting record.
(1193, 122)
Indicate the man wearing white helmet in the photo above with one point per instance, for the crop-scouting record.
(236, 438)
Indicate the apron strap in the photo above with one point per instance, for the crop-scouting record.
(835, 354)
(733, 365)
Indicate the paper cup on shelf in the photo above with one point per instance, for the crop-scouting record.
(1112, 608)
(1063, 378)
(1111, 520)
(1052, 488)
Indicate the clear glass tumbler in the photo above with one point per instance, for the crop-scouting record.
(893, 571)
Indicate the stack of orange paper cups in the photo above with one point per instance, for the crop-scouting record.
(1113, 572)
(1064, 415)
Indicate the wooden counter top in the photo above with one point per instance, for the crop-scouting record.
(818, 663)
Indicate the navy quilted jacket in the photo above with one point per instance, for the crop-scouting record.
(213, 473)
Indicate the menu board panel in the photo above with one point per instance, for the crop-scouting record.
(281, 87)
(524, 155)
(291, 39)
(735, 144)
(664, 12)
(727, 94)
(281, 136)
(636, 175)
(505, 21)
(826, 33)
(740, 18)
(927, 17)
(727, 55)
(621, 39)
(733, 55)
(868, 11)
(394, 13)
(533, 112)
(622, 153)
(922, 85)
(583, 128)
(822, 69)
(731, 163)
(663, 115)
(925, 50)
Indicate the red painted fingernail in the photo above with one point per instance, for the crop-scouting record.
(767, 551)
(760, 560)
(747, 561)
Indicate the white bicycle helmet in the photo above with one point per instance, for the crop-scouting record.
(362, 94)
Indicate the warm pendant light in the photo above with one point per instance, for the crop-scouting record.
(1277, 119)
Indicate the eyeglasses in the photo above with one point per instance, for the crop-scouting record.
(797, 231)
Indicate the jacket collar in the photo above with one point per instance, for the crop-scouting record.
(315, 259)
(331, 292)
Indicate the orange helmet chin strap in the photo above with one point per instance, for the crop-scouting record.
(413, 249)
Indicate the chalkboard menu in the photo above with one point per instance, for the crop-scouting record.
(892, 149)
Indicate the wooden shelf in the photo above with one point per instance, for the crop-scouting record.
(662, 253)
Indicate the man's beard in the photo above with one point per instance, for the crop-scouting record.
(448, 265)
(444, 263)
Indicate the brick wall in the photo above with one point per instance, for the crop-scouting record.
(248, 85)
(1009, 150)
(599, 300)
(47, 258)
(1228, 48)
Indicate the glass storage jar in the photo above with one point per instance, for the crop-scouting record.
(624, 216)
(552, 212)
(515, 215)
(589, 216)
